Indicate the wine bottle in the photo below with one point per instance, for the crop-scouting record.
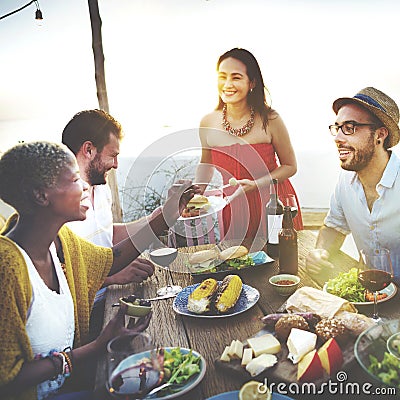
(274, 211)
(288, 251)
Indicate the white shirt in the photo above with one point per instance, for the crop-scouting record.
(98, 225)
(378, 228)
(50, 322)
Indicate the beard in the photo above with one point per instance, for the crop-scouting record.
(96, 172)
(361, 156)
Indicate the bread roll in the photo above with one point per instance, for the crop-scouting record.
(203, 255)
(198, 199)
(233, 252)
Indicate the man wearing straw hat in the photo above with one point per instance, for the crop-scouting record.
(365, 202)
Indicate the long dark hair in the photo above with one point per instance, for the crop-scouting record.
(256, 98)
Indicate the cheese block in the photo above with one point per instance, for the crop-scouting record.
(247, 356)
(260, 363)
(236, 349)
(265, 344)
(225, 356)
(300, 343)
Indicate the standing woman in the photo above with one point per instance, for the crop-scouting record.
(49, 275)
(245, 138)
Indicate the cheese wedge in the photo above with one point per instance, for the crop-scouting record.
(225, 356)
(300, 343)
(247, 356)
(265, 344)
(261, 363)
(236, 349)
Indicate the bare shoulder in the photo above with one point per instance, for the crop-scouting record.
(211, 120)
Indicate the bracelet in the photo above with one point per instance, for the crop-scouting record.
(65, 370)
(68, 361)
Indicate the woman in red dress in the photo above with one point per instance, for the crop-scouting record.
(246, 139)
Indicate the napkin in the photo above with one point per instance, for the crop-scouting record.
(324, 304)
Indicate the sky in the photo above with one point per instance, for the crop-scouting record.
(161, 55)
(160, 63)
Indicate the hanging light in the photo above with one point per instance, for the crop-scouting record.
(38, 13)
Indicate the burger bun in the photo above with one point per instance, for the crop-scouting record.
(233, 252)
(204, 255)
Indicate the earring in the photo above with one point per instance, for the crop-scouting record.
(251, 90)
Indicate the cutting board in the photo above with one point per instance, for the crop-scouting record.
(284, 371)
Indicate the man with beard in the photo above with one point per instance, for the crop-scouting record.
(94, 137)
(366, 198)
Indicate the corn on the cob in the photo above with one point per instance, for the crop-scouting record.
(228, 293)
(200, 299)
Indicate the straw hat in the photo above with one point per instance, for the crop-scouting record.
(381, 105)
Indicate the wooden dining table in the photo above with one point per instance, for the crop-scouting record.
(209, 336)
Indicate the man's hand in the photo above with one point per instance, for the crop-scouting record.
(317, 262)
(179, 195)
(137, 271)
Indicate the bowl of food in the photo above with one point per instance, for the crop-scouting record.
(373, 351)
(285, 284)
(136, 307)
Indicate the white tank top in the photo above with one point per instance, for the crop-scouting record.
(50, 322)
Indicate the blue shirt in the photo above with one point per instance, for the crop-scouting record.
(375, 229)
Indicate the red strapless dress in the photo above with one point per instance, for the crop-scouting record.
(245, 216)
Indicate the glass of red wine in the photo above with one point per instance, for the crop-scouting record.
(163, 252)
(376, 273)
(135, 366)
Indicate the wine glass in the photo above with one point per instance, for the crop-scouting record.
(376, 273)
(163, 252)
(135, 366)
(290, 201)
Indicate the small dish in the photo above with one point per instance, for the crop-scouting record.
(135, 310)
(393, 345)
(281, 283)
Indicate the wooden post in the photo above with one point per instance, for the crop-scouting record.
(98, 54)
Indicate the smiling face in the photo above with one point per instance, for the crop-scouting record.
(357, 150)
(233, 82)
(103, 162)
(69, 198)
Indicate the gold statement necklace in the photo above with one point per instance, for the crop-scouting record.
(238, 131)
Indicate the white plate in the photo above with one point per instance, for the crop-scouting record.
(192, 382)
(248, 298)
(390, 290)
(216, 204)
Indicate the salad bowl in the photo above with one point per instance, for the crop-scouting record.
(372, 353)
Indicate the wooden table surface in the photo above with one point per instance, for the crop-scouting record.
(209, 336)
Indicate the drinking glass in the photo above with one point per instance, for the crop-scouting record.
(134, 366)
(163, 252)
(290, 201)
(376, 273)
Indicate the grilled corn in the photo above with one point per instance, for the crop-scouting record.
(200, 299)
(228, 293)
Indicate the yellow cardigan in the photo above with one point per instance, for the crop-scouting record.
(86, 264)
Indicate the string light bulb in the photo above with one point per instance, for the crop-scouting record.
(38, 13)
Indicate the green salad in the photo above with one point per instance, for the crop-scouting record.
(387, 370)
(347, 286)
(179, 366)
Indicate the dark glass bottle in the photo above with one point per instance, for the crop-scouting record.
(288, 251)
(274, 214)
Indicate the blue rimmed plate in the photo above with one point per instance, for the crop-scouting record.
(190, 384)
(248, 298)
